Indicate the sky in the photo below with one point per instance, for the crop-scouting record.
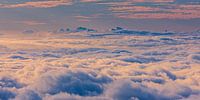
(49, 15)
(42, 61)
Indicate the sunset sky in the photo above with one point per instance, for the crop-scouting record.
(99, 49)
(48, 15)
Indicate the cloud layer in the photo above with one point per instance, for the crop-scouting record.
(119, 64)
(155, 9)
(133, 9)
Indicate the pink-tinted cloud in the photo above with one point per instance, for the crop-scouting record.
(131, 2)
(153, 9)
(39, 4)
(152, 1)
(31, 22)
(43, 3)
(167, 9)
(86, 18)
(90, 0)
(83, 18)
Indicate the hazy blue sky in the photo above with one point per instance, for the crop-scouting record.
(47, 15)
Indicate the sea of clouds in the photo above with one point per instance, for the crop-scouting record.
(120, 65)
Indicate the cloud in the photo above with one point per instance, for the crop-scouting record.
(7, 87)
(90, 0)
(5, 94)
(86, 18)
(194, 57)
(83, 18)
(128, 9)
(38, 4)
(115, 67)
(43, 3)
(142, 60)
(154, 9)
(26, 94)
(126, 90)
(9, 83)
(32, 23)
(75, 83)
